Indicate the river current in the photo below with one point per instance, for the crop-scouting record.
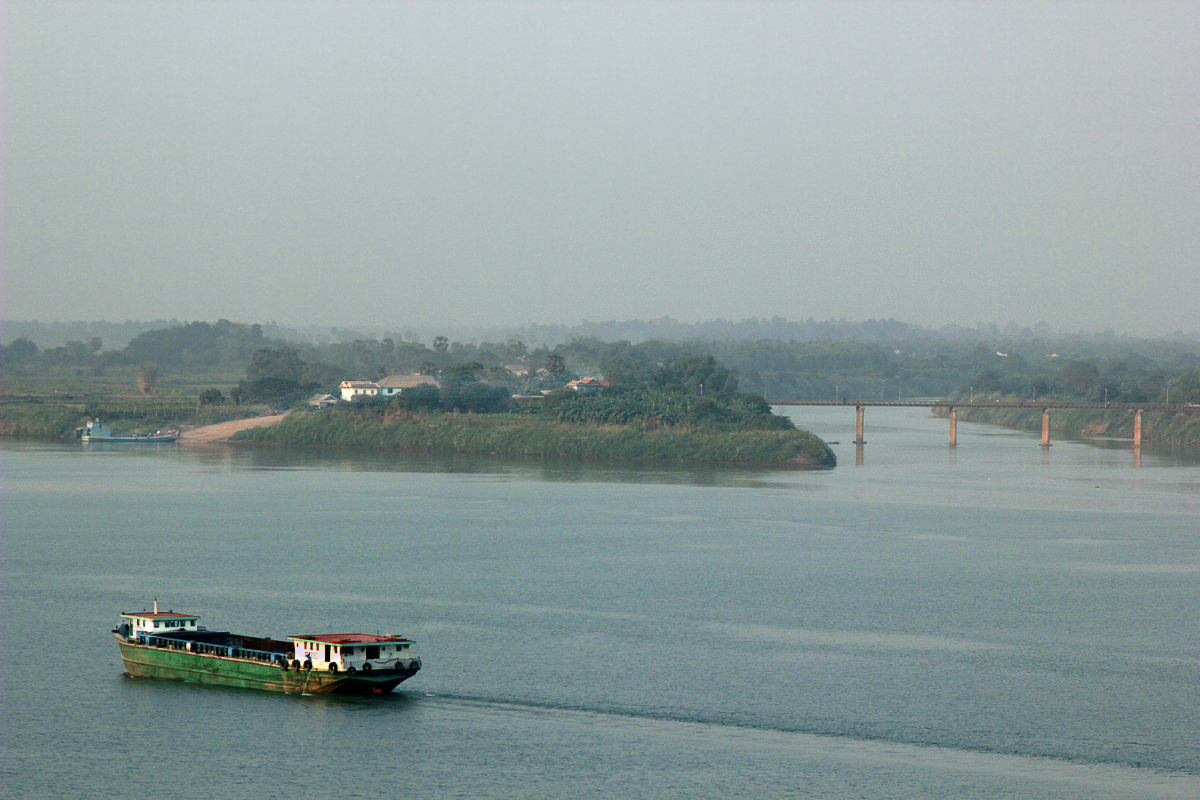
(994, 620)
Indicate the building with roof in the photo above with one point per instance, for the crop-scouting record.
(396, 384)
(588, 385)
(359, 389)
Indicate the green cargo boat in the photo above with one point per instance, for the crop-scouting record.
(173, 646)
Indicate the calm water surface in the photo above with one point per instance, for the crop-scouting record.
(995, 621)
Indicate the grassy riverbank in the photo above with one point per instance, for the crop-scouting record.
(1162, 427)
(42, 418)
(518, 435)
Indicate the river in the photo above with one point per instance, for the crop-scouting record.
(994, 620)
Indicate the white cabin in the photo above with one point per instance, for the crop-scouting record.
(343, 651)
(95, 430)
(157, 623)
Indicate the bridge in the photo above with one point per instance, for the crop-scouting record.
(952, 407)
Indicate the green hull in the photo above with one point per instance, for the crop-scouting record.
(144, 661)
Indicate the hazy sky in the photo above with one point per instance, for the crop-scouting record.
(479, 163)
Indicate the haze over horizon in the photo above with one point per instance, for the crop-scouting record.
(483, 164)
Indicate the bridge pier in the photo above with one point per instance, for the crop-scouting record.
(1137, 428)
(953, 426)
(858, 425)
(1045, 427)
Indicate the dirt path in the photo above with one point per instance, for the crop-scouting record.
(210, 434)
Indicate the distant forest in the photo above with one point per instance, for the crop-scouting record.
(778, 359)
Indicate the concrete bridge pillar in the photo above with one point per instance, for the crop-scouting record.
(858, 425)
(953, 426)
(1045, 427)
(1137, 428)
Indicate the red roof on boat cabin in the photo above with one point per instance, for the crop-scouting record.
(159, 615)
(349, 638)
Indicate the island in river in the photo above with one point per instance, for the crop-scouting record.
(651, 427)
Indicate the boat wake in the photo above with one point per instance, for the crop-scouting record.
(1107, 778)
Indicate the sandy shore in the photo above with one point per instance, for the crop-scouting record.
(210, 434)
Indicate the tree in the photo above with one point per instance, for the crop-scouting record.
(696, 375)
(1079, 375)
(21, 351)
(624, 367)
(425, 396)
(268, 390)
(327, 376)
(284, 364)
(1186, 388)
(555, 365)
(459, 375)
(211, 397)
(147, 377)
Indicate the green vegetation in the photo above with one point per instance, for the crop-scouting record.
(780, 360)
(656, 409)
(515, 435)
(679, 377)
(39, 418)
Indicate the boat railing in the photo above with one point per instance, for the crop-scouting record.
(204, 648)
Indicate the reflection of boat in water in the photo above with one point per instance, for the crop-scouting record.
(95, 432)
(172, 646)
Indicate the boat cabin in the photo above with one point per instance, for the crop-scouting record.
(156, 623)
(334, 651)
(94, 430)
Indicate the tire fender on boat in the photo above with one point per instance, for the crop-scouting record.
(307, 664)
(351, 670)
(367, 667)
(296, 663)
(333, 667)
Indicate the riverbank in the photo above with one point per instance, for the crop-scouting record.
(224, 431)
(49, 418)
(513, 435)
(1158, 427)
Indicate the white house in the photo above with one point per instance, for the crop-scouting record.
(396, 384)
(352, 389)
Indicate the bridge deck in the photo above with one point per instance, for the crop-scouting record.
(1032, 404)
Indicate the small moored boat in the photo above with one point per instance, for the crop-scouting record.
(173, 646)
(94, 431)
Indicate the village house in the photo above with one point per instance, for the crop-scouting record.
(396, 384)
(353, 389)
(390, 386)
(588, 385)
(322, 400)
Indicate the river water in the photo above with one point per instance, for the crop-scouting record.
(994, 620)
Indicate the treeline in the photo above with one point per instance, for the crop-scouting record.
(890, 360)
(118, 334)
(1131, 378)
